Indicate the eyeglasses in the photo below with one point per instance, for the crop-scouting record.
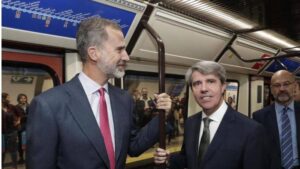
(284, 85)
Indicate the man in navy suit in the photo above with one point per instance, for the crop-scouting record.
(218, 137)
(65, 123)
(282, 88)
(297, 95)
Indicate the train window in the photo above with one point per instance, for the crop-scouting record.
(26, 80)
(259, 94)
(268, 97)
(231, 93)
(142, 86)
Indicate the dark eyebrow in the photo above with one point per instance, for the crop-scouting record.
(121, 47)
(214, 80)
(211, 79)
(287, 81)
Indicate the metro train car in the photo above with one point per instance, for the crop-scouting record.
(163, 39)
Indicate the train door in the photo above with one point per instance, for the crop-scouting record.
(29, 74)
(256, 93)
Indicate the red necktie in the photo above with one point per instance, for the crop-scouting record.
(104, 127)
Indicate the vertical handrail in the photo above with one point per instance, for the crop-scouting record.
(233, 38)
(161, 71)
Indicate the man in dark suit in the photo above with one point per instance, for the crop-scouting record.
(297, 94)
(272, 117)
(218, 137)
(88, 123)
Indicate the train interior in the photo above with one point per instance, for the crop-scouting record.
(164, 38)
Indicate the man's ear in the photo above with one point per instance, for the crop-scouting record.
(92, 53)
(224, 87)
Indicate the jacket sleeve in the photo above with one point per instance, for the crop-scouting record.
(178, 161)
(256, 153)
(41, 136)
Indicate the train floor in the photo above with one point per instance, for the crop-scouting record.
(7, 164)
(144, 161)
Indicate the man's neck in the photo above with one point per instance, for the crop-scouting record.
(285, 104)
(95, 74)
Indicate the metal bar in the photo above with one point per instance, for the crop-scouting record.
(296, 71)
(281, 64)
(250, 30)
(161, 71)
(138, 31)
(286, 49)
(292, 54)
(226, 48)
(155, 1)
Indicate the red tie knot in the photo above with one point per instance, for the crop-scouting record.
(101, 91)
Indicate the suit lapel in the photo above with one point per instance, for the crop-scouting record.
(81, 110)
(221, 134)
(273, 127)
(192, 138)
(115, 108)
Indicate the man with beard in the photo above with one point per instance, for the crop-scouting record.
(282, 122)
(218, 137)
(87, 123)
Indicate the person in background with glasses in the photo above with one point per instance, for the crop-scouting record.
(282, 122)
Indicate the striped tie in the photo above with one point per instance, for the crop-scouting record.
(286, 141)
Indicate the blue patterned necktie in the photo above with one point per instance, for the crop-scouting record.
(286, 141)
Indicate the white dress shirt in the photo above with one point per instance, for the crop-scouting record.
(216, 119)
(91, 88)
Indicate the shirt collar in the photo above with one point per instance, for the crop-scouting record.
(217, 116)
(280, 106)
(89, 85)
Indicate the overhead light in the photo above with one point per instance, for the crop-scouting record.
(214, 11)
(273, 39)
(224, 16)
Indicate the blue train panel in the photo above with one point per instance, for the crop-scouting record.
(59, 17)
(290, 64)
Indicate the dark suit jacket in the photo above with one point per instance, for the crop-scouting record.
(237, 144)
(267, 117)
(62, 131)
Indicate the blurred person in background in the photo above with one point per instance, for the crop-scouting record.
(10, 125)
(23, 105)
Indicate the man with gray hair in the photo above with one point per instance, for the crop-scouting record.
(282, 122)
(217, 137)
(87, 123)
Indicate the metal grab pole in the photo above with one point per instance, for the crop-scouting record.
(161, 71)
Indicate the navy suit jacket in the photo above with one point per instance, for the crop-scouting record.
(237, 144)
(62, 131)
(267, 117)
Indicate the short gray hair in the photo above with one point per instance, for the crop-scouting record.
(206, 67)
(91, 32)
